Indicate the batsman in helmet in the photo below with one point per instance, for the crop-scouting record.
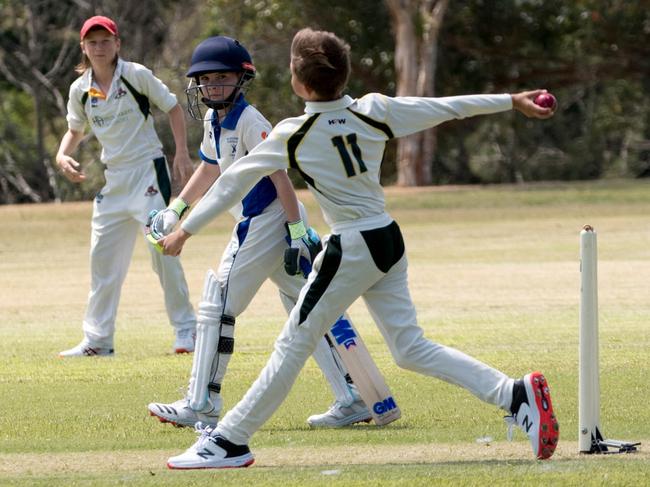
(270, 221)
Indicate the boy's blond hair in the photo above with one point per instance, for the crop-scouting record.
(321, 61)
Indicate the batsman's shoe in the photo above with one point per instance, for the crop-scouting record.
(534, 414)
(212, 451)
(180, 414)
(185, 340)
(338, 415)
(86, 350)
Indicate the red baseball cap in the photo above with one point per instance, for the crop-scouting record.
(98, 21)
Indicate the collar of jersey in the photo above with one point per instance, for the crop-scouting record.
(328, 106)
(231, 119)
(88, 76)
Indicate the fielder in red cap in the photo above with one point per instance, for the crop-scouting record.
(98, 22)
(114, 99)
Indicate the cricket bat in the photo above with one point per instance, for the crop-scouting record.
(364, 372)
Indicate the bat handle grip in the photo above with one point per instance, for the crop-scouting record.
(291, 261)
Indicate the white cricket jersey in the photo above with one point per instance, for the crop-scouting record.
(337, 147)
(230, 139)
(117, 121)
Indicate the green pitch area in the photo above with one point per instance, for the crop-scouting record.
(494, 271)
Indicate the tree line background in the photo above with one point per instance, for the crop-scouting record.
(594, 55)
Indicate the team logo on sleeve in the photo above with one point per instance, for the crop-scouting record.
(151, 191)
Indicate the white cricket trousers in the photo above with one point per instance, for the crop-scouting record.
(254, 254)
(369, 261)
(120, 212)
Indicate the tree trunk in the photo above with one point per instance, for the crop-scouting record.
(415, 59)
(40, 144)
(406, 71)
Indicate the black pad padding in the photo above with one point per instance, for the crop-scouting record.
(226, 345)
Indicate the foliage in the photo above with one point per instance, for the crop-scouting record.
(589, 53)
(266, 28)
(586, 52)
(38, 52)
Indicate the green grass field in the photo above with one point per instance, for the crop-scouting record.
(494, 271)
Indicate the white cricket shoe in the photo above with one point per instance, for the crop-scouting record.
(185, 339)
(212, 451)
(535, 415)
(180, 414)
(85, 350)
(338, 415)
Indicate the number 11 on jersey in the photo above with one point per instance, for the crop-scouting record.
(341, 146)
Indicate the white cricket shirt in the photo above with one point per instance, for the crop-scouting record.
(337, 146)
(117, 122)
(233, 137)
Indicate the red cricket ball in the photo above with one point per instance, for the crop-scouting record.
(546, 100)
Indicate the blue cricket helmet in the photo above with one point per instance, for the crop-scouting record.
(221, 53)
(214, 55)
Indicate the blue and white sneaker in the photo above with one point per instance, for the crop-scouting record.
(534, 414)
(211, 451)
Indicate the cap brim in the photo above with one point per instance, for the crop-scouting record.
(88, 28)
(209, 67)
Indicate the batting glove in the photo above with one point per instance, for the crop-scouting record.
(162, 223)
(151, 236)
(305, 245)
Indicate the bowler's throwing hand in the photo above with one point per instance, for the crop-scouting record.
(525, 103)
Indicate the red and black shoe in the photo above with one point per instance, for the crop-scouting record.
(532, 411)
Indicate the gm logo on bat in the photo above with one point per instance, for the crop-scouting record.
(344, 333)
(381, 407)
